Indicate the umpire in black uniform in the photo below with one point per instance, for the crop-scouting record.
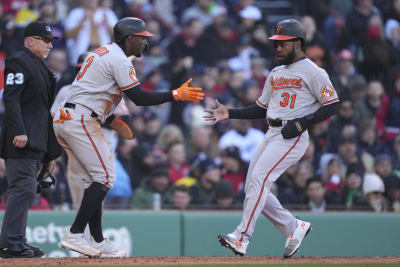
(27, 137)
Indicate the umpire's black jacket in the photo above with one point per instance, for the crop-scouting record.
(29, 92)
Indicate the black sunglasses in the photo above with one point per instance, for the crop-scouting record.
(44, 39)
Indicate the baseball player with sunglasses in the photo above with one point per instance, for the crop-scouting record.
(106, 75)
(296, 95)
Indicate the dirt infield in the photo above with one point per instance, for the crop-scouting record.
(192, 260)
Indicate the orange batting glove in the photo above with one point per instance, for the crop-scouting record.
(186, 93)
(121, 128)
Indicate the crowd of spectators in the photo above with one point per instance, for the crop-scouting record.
(178, 161)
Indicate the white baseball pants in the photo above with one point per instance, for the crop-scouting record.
(86, 146)
(272, 157)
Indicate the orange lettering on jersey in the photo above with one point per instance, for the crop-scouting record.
(101, 51)
(284, 83)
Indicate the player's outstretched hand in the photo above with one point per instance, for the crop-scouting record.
(218, 114)
(187, 93)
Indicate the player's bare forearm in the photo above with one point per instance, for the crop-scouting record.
(218, 114)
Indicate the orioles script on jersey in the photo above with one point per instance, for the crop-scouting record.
(283, 83)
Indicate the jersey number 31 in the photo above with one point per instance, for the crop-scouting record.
(285, 100)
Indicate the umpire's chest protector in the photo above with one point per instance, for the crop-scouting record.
(27, 99)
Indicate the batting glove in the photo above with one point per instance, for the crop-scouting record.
(186, 93)
(121, 127)
(295, 127)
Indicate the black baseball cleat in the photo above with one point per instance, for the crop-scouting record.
(16, 251)
(229, 241)
(37, 252)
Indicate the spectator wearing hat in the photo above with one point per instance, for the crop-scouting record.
(345, 78)
(250, 16)
(352, 196)
(224, 198)
(205, 190)
(158, 182)
(233, 168)
(374, 190)
(380, 53)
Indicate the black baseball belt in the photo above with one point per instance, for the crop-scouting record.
(275, 122)
(72, 106)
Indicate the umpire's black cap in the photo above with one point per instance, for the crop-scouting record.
(39, 28)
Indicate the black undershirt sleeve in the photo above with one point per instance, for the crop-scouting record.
(145, 98)
(323, 113)
(249, 112)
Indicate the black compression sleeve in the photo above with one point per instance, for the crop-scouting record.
(249, 112)
(144, 98)
(323, 113)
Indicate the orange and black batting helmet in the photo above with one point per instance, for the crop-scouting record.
(289, 29)
(128, 26)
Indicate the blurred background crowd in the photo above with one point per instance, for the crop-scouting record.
(177, 161)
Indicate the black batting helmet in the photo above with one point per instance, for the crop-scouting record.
(289, 29)
(128, 26)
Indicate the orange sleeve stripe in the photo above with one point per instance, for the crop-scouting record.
(261, 104)
(330, 101)
(129, 86)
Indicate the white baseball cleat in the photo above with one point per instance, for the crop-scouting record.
(106, 249)
(293, 242)
(230, 241)
(78, 243)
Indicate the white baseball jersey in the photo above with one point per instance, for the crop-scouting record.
(296, 90)
(290, 92)
(106, 72)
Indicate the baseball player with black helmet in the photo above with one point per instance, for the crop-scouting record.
(296, 95)
(105, 76)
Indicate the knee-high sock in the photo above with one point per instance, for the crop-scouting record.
(92, 199)
(95, 225)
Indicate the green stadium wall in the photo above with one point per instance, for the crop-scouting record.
(173, 233)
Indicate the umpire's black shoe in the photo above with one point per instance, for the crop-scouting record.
(16, 251)
(37, 252)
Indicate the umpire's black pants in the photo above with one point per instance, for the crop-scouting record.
(22, 189)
